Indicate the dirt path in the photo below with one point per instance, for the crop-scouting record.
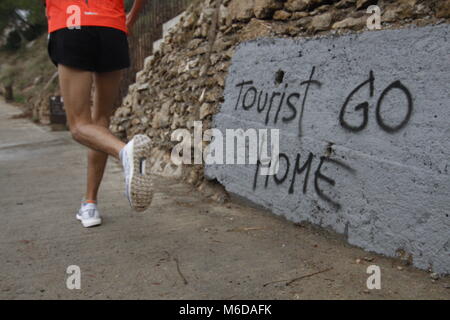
(183, 247)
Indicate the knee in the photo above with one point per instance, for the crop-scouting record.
(77, 132)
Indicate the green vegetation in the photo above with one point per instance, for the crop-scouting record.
(24, 64)
(9, 12)
(21, 21)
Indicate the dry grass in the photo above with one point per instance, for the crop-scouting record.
(29, 70)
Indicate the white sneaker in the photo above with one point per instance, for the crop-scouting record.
(138, 185)
(89, 215)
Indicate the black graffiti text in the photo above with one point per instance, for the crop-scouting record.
(302, 167)
(272, 103)
(364, 106)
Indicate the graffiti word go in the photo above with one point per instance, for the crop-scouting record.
(364, 107)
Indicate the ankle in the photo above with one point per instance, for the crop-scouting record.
(120, 151)
(121, 154)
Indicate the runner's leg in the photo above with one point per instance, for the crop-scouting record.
(106, 91)
(76, 90)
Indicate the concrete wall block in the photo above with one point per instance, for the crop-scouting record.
(389, 159)
(157, 45)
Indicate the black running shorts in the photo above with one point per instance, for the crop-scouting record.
(90, 48)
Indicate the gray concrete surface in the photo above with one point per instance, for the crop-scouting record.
(390, 171)
(223, 251)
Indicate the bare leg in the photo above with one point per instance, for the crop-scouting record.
(106, 89)
(76, 90)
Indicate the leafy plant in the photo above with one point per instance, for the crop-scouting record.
(26, 19)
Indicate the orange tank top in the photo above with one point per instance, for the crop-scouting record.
(72, 13)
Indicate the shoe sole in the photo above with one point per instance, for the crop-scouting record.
(90, 223)
(140, 191)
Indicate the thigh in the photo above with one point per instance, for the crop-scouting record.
(76, 87)
(107, 86)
